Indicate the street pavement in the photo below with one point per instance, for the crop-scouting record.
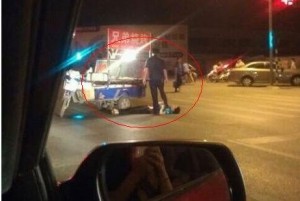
(259, 124)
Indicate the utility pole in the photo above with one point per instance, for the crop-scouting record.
(271, 42)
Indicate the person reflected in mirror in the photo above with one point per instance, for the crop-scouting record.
(146, 179)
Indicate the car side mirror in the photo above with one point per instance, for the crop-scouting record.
(158, 171)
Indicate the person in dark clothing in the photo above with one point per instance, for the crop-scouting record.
(178, 74)
(155, 70)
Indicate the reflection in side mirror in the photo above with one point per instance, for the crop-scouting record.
(163, 172)
(137, 171)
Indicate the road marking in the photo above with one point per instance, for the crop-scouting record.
(273, 98)
(278, 101)
(289, 98)
(291, 156)
(254, 104)
(269, 139)
(246, 110)
(247, 118)
(257, 98)
(249, 110)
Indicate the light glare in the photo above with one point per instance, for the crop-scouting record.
(78, 56)
(129, 55)
(78, 117)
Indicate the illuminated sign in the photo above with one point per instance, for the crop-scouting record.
(122, 39)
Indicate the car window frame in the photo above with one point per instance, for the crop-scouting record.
(40, 43)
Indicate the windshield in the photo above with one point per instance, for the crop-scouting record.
(108, 91)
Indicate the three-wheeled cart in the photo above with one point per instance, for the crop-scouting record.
(116, 94)
(115, 79)
(113, 94)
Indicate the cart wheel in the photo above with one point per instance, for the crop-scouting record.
(123, 103)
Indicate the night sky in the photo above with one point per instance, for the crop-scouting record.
(223, 14)
(249, 16)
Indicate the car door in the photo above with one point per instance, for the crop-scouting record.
(261, 72)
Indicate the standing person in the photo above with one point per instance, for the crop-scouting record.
(188, 71)
(213, 74)
(293, 64)
(239, 63)
(155, 69)
(178, 73)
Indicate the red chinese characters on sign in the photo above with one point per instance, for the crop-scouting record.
(123, 39)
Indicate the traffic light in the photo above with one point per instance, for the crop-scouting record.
(271, 40)
(288, 2)
(279, 5)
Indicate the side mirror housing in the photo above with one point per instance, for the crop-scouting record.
(158, 171)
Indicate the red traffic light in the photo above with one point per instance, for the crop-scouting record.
(284, 4)
(288, 2)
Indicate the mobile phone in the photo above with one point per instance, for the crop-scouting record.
(139, 151)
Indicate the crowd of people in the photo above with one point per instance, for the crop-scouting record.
(286, 64)
(221, 70)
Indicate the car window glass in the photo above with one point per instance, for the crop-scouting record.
(264, 66)
(267, 65)
(257, 66)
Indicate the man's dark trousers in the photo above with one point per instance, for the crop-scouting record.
(154, 85)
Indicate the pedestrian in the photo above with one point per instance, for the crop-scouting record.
(155, 70)
(239, 63)
(189, 71)
(178, 72)
(214, 73)
(293, 63)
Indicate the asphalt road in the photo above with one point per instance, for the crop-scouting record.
(260, 125)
